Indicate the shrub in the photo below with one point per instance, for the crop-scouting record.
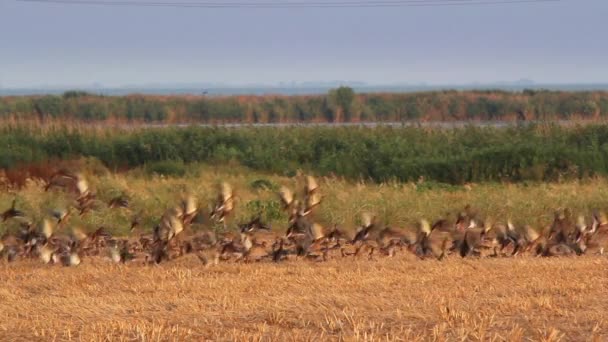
(166, 168)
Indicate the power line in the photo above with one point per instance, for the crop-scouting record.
(311, 4)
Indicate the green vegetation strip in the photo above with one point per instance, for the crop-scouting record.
(456, 156)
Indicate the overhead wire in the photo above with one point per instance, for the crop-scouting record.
(299, 4)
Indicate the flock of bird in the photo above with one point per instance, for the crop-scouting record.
(52, 241)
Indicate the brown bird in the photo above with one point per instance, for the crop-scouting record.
(119, 252)
(45, 253)
(61, 215)
(121, 201)
(312, 200)
(433, 241)
(236, 247)
(189, 206)
(369, 235)
(473, 240)
(521, 237)
(466, 219)
(86, 204)
(563, 229)
(136, 220)
(311, 185)
(45, 228)
(82, 185)
(594, 240)
(10, 247)
(287, 197)
(366, 228)
(70, 258)
(312, 197)
(224, 204)
(209, 256)
(253, 225)
(278, 251)
(12, 212)
(63, 178)
(168, 228)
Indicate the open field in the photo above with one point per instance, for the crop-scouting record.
(399, 298)
(514, 299)
(347, 298)
(315, 171)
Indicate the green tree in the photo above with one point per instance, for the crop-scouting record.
(341, 101)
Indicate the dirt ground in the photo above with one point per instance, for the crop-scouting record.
(512, 299)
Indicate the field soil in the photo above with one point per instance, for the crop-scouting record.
(400, 298)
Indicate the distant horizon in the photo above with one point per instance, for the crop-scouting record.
(298, 84)
(295, 88)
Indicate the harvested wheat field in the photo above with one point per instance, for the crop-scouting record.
(234, 256)
(510, 299)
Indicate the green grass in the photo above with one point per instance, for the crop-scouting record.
(398, 204)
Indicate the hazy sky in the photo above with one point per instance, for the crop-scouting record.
(54, 44)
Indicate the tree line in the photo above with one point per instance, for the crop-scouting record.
(338, 105)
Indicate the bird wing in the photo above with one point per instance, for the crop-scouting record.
(78, 234)
(311, 184)
(46, 228)
(581, 225)
(366, 219)
(82, 185)
(425, 227)
(313, 200)
(286, 196)
(317, 231)
(45, 254)
(531, 234)
(226, 191)
(176, 225)
(190, 205)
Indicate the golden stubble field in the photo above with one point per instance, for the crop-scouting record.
(400, 298)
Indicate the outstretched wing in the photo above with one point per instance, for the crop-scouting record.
(286, 196)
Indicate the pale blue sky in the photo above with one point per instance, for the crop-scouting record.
(59, 45)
